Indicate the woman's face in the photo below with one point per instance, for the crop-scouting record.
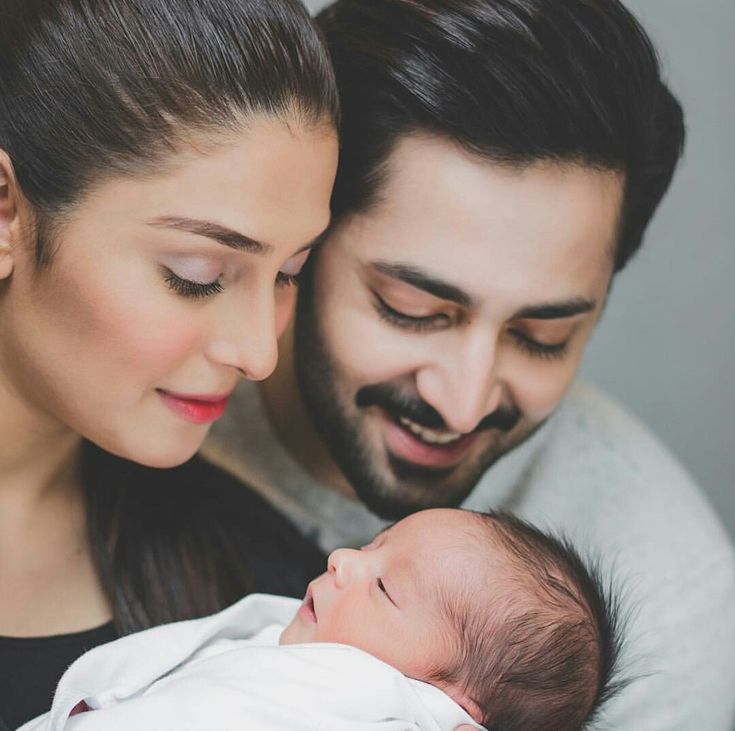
(163, 291)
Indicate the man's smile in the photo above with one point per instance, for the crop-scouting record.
(429, 436)
(419, 445)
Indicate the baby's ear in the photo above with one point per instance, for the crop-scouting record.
(462, 699)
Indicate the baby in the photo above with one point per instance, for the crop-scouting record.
(448, 617)
(506, 620)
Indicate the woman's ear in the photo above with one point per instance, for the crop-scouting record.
(8, 213)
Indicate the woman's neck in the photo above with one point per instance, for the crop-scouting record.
(48, 582)
(38, 454)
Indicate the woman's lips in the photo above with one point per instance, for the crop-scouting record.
(196, 409)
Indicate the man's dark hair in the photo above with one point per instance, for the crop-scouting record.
(545, 656)
(513, 81)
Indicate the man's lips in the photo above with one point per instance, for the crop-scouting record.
(198, 409)
(306, 610)
(425, 447)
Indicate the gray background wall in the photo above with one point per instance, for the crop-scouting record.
(666, 345)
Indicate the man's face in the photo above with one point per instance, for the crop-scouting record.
(441, 327)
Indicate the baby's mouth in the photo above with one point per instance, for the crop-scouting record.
(307, 610)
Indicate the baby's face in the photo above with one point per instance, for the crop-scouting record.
(388, 598)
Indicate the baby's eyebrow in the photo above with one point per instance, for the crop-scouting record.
(385, 530)
(382, 532)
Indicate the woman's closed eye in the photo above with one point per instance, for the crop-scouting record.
(288, 274)
(189, 288)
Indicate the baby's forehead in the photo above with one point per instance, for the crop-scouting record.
(463, 556)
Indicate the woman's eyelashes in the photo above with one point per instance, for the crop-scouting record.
(191, 289)
(198, 290)
(287, 280)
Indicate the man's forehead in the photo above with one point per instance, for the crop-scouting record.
(470, 222)
(416, 155)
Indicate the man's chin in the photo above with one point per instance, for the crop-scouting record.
(393, 487)
(407, 488)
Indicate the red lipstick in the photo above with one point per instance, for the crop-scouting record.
(196, 409)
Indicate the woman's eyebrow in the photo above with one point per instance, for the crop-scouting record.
(215, 231)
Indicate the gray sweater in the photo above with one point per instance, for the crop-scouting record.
(599, 477)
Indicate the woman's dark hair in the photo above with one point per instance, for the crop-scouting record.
(93, 88)
(185, 542)
(514, 81)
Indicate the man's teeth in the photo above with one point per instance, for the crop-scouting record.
(429, 435)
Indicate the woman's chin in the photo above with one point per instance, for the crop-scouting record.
(156, 451)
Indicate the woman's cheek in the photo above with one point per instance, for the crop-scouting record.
(285, 304)
(142, 330)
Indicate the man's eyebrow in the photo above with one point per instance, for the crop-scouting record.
(556, 310)
(424, 281)
(215, 231)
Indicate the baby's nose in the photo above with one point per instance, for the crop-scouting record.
(343, 564)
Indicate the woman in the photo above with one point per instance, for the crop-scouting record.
(164, 170)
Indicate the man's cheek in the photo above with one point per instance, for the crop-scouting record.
(541, 393)
(370, 350)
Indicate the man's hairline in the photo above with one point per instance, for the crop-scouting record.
(381, 172)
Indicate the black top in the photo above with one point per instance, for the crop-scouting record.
(150, 516)
(31, 668)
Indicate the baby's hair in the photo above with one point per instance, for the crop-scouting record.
(544, 656)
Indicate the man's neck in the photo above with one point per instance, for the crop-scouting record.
(292, 425)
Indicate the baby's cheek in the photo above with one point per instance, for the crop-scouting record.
(290, 635)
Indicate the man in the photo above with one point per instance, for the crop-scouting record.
(501, 160)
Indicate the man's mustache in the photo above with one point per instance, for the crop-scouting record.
(399, 403)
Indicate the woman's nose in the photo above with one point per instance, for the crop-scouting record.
(247, 339)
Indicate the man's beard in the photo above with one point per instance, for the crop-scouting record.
(405, 487)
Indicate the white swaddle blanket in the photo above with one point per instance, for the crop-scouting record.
(228, 672)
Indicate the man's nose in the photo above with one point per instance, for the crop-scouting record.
(345, 566)
(461, 383)
(246, 339)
